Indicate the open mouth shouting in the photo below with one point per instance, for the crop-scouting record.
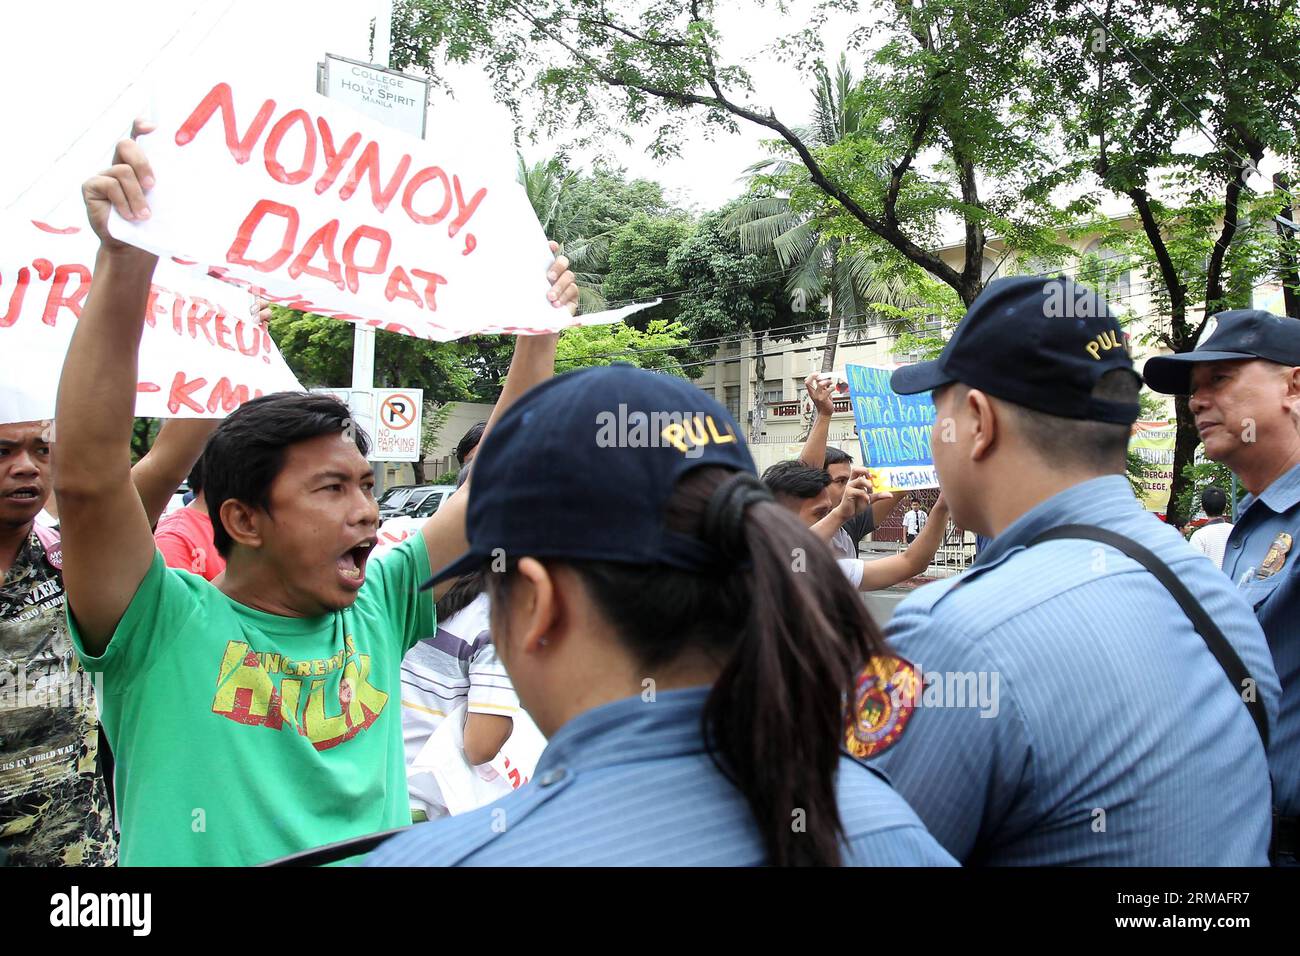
(352, 563)
(23, 494)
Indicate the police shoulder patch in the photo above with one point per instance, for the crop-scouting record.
(883, 700)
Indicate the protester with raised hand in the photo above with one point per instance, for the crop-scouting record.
(281, 681)
(804, 492)
(690, 681)
(839, 466)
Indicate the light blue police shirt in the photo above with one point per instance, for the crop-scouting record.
(629, 784)
(1276, 600)
(1102, 730)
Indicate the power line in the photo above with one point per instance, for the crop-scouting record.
(818, 324)
(680, 293)
(799, 346)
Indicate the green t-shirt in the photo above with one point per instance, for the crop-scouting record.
(242, 736)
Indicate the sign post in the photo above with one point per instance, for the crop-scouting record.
(398, 414)
(393, 99)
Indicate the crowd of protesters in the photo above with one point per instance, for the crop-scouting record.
(689, 640)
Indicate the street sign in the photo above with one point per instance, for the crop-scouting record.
(392, 98)
(362, 406)
(398, 413)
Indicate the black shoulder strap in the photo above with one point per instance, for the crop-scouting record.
(1205, 626)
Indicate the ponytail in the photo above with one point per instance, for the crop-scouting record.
(789, 633)
(776, 715)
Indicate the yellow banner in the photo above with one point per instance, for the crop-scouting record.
(1154, 442)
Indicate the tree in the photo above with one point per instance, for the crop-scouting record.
(1149, 83)
(550, 191)
(954, 79)
(729, 291)
(319, 351)
(821, 263)
(583, 213)
(639, 264)
(434, 420)
(143, 433)
(656, 347)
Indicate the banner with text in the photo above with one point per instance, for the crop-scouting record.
(1154, 444)
(893, 430)
(322, 209)
(202, 352)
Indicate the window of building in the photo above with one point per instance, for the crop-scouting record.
(733, 401)
(772, 391)
(1108, 273)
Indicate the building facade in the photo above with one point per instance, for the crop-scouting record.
(732, 377)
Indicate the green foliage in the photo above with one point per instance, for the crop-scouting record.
(958, 79)
(446, 478)
(924, 328)
(729, 290)
(1172, 106)
(639, 264)
(583, 212)
(1200, 475)
(143, 433)
(319, 351)
(434, 420)
(656, 347)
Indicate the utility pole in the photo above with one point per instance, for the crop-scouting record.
(363, 336)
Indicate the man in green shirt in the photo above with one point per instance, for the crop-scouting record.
(256, 715)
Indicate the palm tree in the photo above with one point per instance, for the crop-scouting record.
(550, 191)
(820, 266)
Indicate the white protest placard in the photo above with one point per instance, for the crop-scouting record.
(202, 352)
(398, 419)
(396, 530)
(324, 210)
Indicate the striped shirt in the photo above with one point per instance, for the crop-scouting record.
(1276, 600)
(629, 783)
(457, 665)
(1103, 731)
(449, 675)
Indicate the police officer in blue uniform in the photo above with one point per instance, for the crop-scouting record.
(684, 643)
(1243, 383)
(1056, 704)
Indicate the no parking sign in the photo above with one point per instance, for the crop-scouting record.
(398, 413)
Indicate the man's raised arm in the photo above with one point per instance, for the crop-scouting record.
(813, 453)
(532, 364)
(107, 544)
(158, 474)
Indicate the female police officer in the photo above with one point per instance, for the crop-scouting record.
(686, 645)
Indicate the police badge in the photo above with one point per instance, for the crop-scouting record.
(1276, 557)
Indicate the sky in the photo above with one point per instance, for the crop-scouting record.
(73, 89)
(77, 71)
